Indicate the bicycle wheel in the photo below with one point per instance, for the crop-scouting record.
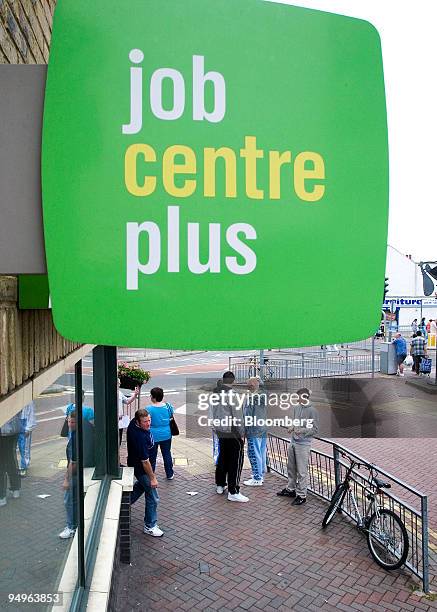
(387, 539)
(335, 505)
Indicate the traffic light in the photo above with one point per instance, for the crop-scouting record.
(385, 288)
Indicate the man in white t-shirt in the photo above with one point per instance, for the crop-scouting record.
(123, 417)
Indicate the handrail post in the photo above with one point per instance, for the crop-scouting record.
(425, 549)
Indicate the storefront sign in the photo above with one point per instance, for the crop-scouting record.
(215, 174)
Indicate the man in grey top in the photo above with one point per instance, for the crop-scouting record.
(300, 448)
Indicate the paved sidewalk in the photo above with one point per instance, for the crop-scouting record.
(264, 555)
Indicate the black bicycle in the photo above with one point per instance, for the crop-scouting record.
(387, 536)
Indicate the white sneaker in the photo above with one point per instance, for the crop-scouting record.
(3, 501)
(155, 531)
(253, 483)
(15, 494)
(220, 490)
(401, 374)
(67, 533)
(237, 497)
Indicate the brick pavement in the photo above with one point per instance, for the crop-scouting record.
(264, 555)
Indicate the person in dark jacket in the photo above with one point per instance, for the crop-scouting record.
(230, 433)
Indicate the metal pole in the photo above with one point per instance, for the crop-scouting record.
(336, 456)
(425, 551)
(79, 474)
(261, 365)
(373, 356)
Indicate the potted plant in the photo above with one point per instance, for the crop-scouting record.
(132, 376)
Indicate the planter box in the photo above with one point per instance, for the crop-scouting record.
(128, 383)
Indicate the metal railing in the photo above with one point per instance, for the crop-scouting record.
(327, 470)
(314, 364)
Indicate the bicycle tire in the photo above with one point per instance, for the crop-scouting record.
(335, 505)
(405, 542)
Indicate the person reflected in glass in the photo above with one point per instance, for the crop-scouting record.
(28, 424)
(69, 484)
(123, 417)
(8, 459)
(88, 431)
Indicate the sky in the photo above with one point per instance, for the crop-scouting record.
(409, 49)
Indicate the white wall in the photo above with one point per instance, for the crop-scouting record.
(405, 281)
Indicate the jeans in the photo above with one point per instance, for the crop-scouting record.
(151, 499)
(166, 455)
(9, 464)
(70, 496)
(24, 442)
(257, 453)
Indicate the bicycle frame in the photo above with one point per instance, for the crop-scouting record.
(369, 492)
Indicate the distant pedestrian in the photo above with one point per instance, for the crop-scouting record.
(300, 448)
(428, 326)
(422, 328)
(28, 424)
(400, 345)
(230, 433)
(161, 414)
(414, 326)
(418, 350)
(256, 433)
(139, 445)
(433, 327)
(123, 417)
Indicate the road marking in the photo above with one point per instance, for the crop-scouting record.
(174, 373)
(62, 416)
(182, 409)
(64, 408)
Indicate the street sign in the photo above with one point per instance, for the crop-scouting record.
(215, 174)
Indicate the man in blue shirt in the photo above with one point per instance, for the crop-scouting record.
(139, 444)
(401, 353)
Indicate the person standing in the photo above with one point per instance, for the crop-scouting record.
(28, 424)
(8, 459)
(123, 419)
(70, 480)
(139, 445)
(418, 350)
(230, 433)
(256, 433)
(400, 345)
(433, 327)
(300, 448)
(161, 414)
(414, 326)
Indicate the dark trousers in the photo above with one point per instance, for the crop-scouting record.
(9, 464)
(230, 463)
(416, 366)
(165, 447)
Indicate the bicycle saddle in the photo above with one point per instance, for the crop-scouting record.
(381, 484)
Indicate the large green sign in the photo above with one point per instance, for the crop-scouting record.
(215, 174)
